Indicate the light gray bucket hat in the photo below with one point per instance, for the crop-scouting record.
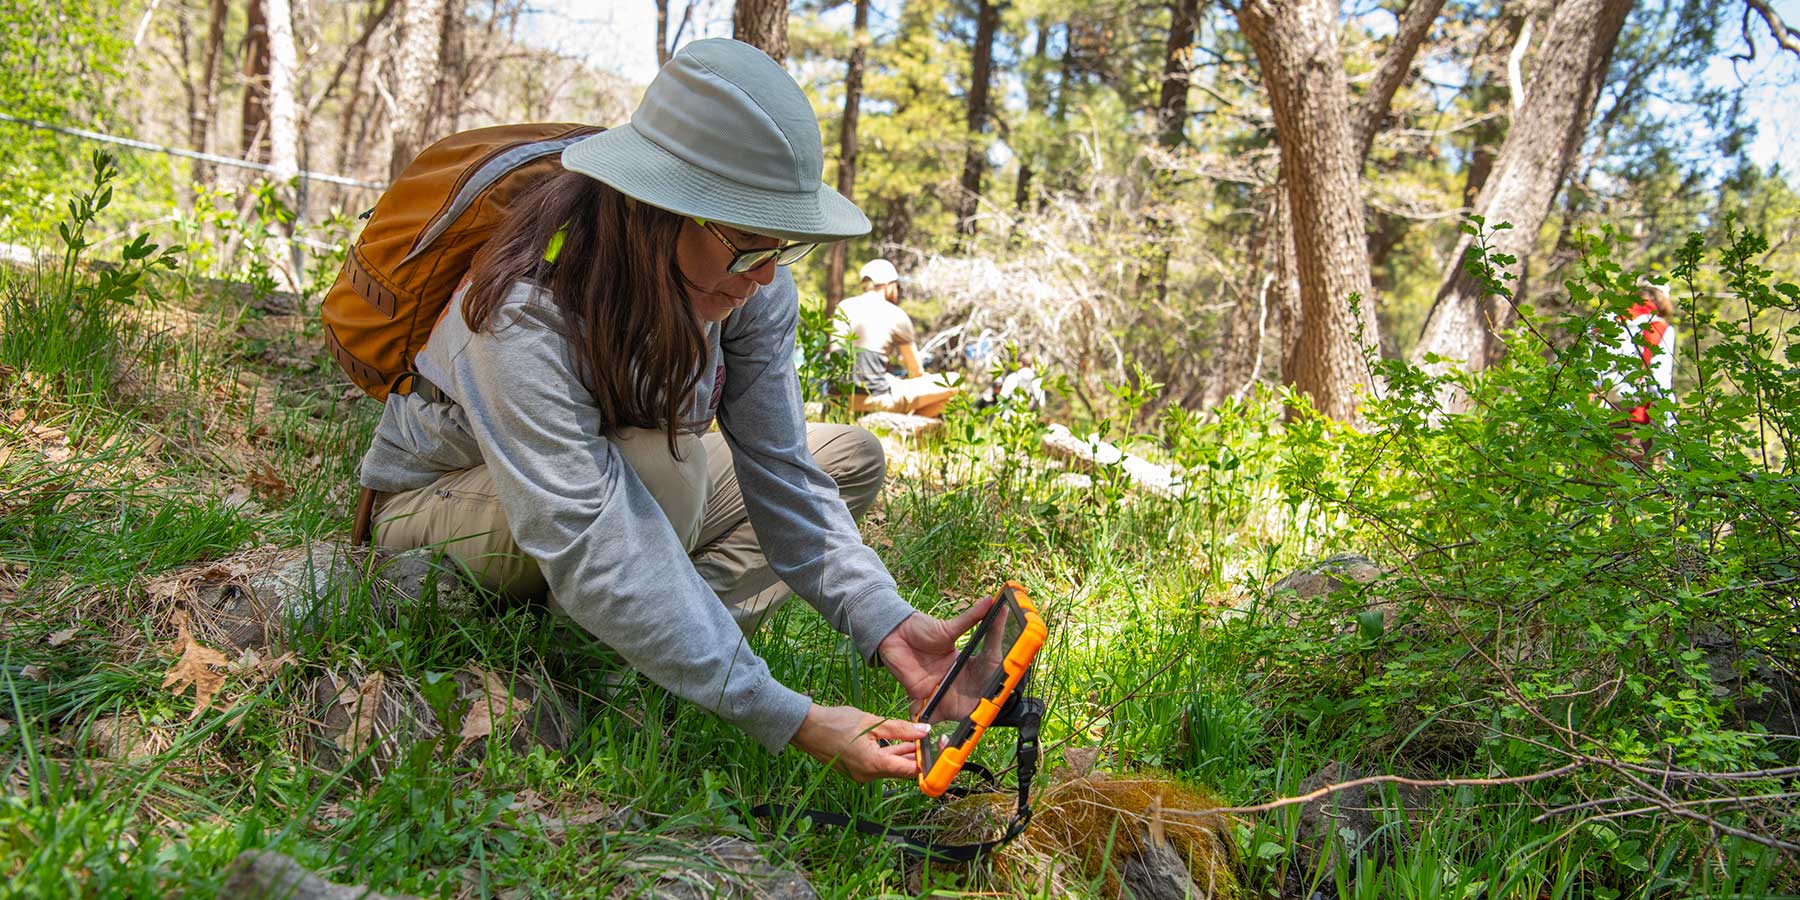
(724, 134)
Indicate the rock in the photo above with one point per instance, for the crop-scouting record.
(1156, 873)
(902, 424)
(1353, 817)
(1763, 691)
(1074, 481)
(249, 602)
(523, 711)
(125, 738)
(267, 875)
(1328, 575)
(544, 719)
(715, 867)
(368, 715)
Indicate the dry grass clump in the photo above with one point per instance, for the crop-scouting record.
(1100, 828)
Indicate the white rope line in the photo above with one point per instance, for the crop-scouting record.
(190, 154)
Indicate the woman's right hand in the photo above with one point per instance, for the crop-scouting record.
(849, 740)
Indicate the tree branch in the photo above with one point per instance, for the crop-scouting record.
(1785, 35)
(1414, 24)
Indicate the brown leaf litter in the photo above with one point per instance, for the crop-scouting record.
(195, 668)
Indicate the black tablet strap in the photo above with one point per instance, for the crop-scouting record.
(1026, 715)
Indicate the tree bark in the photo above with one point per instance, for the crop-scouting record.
(1541, 143)
(968, 200)
(1297, 50)
(846, 173)
(762, 24)
(1172, 102)
(284, 116)
(200, 127)
(253, 124)
(447, 91)
(421, 23)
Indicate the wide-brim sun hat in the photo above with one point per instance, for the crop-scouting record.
(724, 134)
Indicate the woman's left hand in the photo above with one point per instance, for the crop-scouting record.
(920, 651)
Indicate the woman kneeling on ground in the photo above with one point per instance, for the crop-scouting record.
(625, 304)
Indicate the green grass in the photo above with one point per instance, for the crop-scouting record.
(145, 440)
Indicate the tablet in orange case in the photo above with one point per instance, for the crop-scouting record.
(984, 676)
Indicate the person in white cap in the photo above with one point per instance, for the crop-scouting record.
(874, 327)
(624, 306)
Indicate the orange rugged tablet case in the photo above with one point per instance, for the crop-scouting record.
(1015, 623)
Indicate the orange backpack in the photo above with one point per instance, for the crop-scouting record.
(421, 237)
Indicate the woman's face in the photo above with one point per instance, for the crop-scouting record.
(715, 293)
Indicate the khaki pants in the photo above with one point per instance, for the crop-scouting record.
(460, 514)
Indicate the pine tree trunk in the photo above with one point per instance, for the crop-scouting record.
(421, 23)
(968, 200)
(1545, 134)
(200, 127)
(662, 33)
(846, 174)
(1171, 119)
(254, 123)
(448, 89)
(1172, 103)
(1296, 47)
(762, 24)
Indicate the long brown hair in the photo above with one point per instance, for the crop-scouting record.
(623, 298)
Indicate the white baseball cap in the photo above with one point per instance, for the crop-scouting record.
(880, 271)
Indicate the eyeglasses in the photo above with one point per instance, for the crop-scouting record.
(746, 260)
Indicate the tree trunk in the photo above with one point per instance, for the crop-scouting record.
(1171, 119)
(284, 117)
(1297, 50)
(1548, 125)
(421, 23)
(447, 90)
(1172, 104)
(200, 127)
(762, 24)
(846, 174)
(968, 200)
(253, 125)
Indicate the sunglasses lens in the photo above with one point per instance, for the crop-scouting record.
(793, 253)
(750, 259)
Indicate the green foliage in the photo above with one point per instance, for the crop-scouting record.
(63, 60)
(69, 325)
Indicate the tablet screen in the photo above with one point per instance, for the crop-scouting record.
(977, 673)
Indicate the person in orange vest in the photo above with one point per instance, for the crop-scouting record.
(1645, 375)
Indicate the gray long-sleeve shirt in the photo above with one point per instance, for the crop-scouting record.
(607, 551)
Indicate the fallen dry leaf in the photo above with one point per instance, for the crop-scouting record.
(267, 482)
(251, 664)
(59, 638)
(35, 673)
(591, 812)
(5, 725)
(195, 667)
(364, 703)
(494, 704)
